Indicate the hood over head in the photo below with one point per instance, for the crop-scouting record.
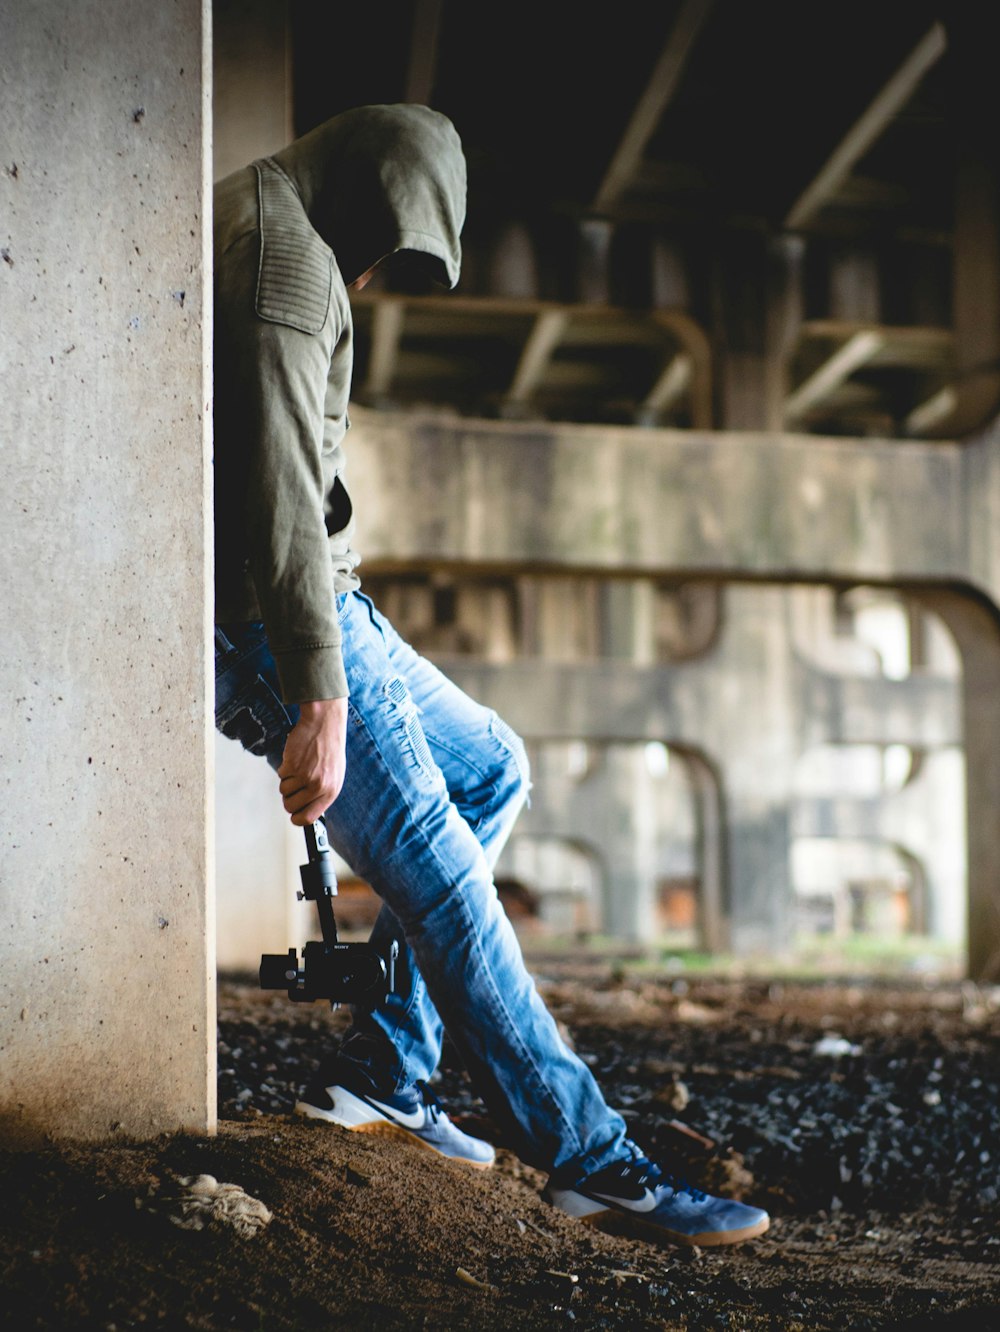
(377, 179)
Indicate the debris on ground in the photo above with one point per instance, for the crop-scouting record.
(879, 1167)
(193, 1202)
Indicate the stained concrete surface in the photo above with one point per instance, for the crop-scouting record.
(107, 944)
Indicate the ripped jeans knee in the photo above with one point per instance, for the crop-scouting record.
(405, 717)
(516, 779)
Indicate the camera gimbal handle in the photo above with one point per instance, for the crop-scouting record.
(340, 972)
(319, 879)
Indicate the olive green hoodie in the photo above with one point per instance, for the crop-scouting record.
(290, 232)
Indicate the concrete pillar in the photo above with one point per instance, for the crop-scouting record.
(513, 265)
(251, 80)
(783, 321)
(854, 285)
(976, 626)
(629, 827)
(739, 285)
(670, 285)
(107, 1016)
(752, 740)
(257, 850)
(593, 274)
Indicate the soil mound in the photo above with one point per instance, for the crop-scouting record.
(865, 1118)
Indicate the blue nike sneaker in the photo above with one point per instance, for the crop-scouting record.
(635, 1196)
(415, 1115)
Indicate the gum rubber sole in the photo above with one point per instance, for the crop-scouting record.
(384, 1128)
(624, 1223)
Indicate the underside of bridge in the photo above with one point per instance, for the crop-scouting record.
(683, 476)
(695, 476)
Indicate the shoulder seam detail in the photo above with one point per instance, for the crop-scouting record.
(295, 268)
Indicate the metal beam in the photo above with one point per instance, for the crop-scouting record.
(831, 374)
(863, 133)
(673, 382)
(930, 347)
(653, 102)
(932, 413)
(545, 336)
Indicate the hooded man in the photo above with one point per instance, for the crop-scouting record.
(418, 785)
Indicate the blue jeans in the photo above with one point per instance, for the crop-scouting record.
(434, 784)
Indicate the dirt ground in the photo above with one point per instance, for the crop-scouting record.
(864, 1115)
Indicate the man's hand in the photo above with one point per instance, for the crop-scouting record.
(313, 765)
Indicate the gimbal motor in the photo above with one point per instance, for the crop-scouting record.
(355, 973)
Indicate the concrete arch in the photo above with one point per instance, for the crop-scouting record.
(589, 852)
(713, 905)
(739, 507)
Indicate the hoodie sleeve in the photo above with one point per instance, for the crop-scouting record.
(284, 389)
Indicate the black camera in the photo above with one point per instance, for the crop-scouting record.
(355, 973)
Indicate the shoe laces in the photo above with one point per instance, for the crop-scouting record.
(431, 1102)
(649, 1173)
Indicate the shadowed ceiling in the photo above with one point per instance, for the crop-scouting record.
(665, 200)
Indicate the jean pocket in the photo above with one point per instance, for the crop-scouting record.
(256, 717)
(235, 642)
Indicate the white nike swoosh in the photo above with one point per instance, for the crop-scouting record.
(644, 1204)
(406, 1118)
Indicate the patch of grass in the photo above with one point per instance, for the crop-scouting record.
(808, 957)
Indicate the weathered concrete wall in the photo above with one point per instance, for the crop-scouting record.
(754, 707)
(694, 479)
(107, 1017)
(980, 516)
(735, 506)
(622, 500)
(776, 679)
